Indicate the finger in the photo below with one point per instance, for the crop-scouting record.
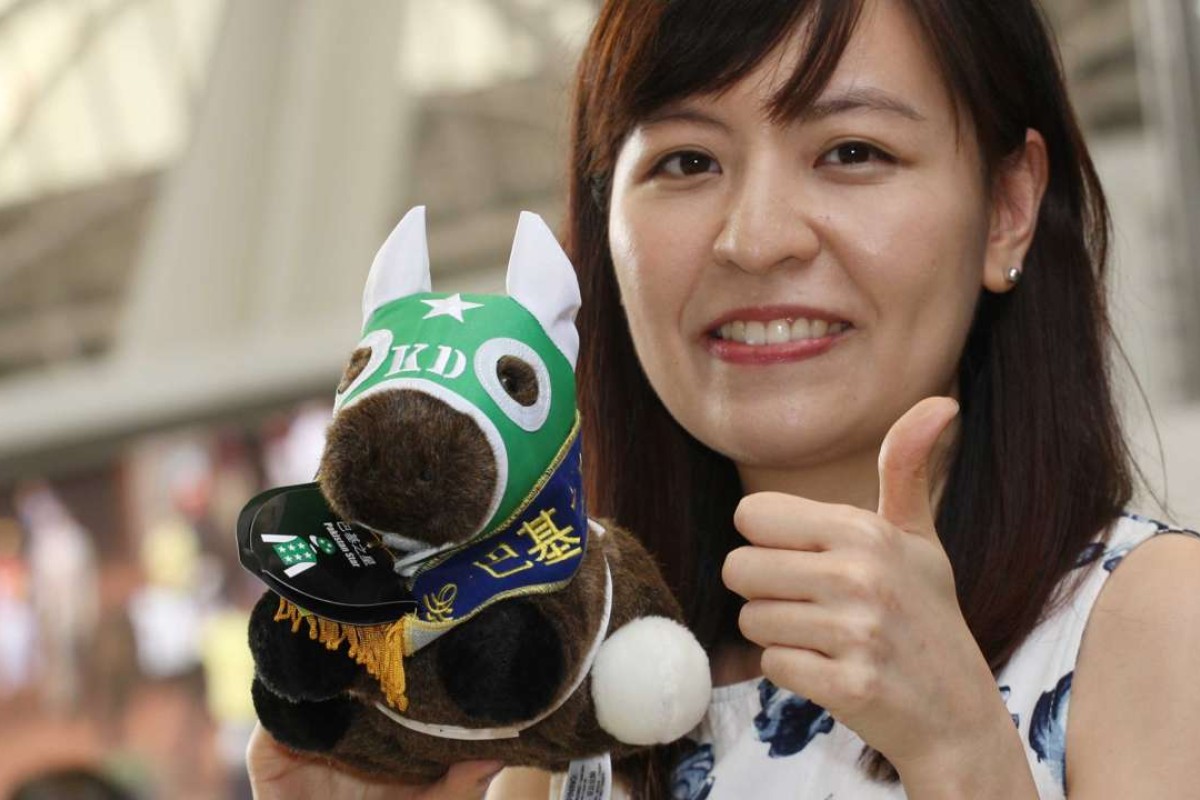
(261, 745)
(466, 780)
(277, 773)
(269, 763)
(266, 760)
(787, 623)
(905, 464)
(774, 519)
(761, 573)
(830, 683)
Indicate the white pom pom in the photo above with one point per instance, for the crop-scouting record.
(650, 682)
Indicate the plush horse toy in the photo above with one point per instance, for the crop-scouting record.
(440, 593)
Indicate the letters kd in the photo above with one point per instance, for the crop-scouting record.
(449, 363)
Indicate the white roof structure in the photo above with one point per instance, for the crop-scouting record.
(251, 156)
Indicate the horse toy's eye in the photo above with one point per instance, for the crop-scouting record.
(358, 362)
(518, 379)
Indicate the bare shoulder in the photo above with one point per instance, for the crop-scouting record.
(519, 783)
(1135, 702)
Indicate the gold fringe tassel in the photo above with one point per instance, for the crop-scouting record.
(379, 648)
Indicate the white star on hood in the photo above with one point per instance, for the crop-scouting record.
(452, 306)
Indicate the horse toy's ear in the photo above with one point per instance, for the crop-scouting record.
(401, 267)
(541, 278)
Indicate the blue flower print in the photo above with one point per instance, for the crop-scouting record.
(1089, 554)
(1005, 692)
(1048, 728)
(1139, 518)
(692, 778)
(787, 722)
(1161, 526)
(1115, 556)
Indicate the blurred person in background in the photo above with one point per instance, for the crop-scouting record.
(63, 579)
(167, 610)
(17, 633)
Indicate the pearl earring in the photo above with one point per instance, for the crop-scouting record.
(1014, 276)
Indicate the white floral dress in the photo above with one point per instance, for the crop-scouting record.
(762, 742)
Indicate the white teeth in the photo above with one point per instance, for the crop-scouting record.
(756, 333)
(779, 331)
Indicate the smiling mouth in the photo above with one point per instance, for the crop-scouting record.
(778, 331)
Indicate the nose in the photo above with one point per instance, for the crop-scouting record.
(767, 221)
(404, 462)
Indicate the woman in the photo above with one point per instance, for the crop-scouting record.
(844, 370)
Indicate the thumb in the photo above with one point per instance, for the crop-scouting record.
(905, 461)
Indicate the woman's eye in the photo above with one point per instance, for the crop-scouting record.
(851, 153)
(685, 163)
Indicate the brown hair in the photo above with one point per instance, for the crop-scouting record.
(1037, 408)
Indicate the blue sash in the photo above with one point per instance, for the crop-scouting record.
(537, 550)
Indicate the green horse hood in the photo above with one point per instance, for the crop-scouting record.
(508, 362)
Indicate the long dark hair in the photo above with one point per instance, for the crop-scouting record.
(1041, 465)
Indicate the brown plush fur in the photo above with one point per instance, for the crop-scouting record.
(383, 467)
(375, 745)
(638, 591)
(358, 362)
(403, 462)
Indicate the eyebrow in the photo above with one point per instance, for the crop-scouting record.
(864, 99)
(678, 114)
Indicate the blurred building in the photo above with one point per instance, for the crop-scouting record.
(191, 192)
(1133, 69)
(211, 271)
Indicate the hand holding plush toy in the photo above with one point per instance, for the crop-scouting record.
(277, 772)
(441, 595)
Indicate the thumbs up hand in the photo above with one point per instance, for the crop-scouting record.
(857, 610)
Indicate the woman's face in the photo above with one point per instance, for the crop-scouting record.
(742, 248)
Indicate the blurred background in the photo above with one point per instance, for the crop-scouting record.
(191, 192)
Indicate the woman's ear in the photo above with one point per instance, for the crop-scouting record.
(1017, 194)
